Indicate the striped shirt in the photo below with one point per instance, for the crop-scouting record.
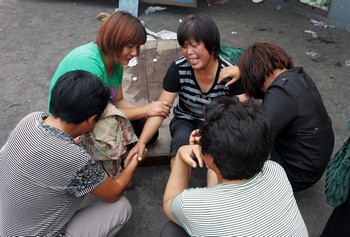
(262, 206)
(43, 177)
(180, 78)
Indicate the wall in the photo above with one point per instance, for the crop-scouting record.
(339, 14)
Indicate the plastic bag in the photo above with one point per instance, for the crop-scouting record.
(231, 53)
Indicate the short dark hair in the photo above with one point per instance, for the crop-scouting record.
(238, 135)
(258, 62)
(201, 28)
(119, 30)
(78, 95)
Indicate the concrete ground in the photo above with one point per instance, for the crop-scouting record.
(36, 34)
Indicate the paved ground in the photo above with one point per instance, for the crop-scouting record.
(35, 35)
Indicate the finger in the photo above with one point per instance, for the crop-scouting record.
(127, 161)
(189, 160)
(192, 140)
(189, 157)
(142, 152)
(231, 82)
(197, 140)
(166, 108)
(198, 153)
(194, 137)
(137, 157)
(194, 132)
(166, 104)
(166, 111)
(221, 77)
(143, 156)
(164, 115)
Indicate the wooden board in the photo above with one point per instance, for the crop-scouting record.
(144, 82)
(153, 62)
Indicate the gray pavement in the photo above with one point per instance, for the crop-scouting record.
(35, 35)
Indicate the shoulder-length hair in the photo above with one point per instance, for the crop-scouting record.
(119, 30)
(258, 62)
(201, 28)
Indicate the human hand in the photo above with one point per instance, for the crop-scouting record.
(138, 152)
(229, 72)
(190, 152)
(158, 108)
(195, 137)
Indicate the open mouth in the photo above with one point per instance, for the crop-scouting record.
(193, 60)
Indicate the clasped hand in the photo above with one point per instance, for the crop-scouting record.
(134, 153)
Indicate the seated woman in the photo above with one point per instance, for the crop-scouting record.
(194, 78)
(304, 137)
(118, 40)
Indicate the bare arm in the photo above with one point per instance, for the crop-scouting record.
(112, 189)
(150, 128)
(134, 112)
(180, 175)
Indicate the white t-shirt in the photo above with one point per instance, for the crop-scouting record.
(261, 206)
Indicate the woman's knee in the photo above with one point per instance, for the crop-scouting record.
(125, 207)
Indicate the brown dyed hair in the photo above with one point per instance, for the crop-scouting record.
(119, 30)
(258, 62)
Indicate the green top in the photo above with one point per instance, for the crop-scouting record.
(88, 57)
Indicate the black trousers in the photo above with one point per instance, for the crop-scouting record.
(170, 229)
(338, 222)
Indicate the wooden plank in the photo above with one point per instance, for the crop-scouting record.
(135, 80)
(150, 54)
(144, 82)
(166, 54)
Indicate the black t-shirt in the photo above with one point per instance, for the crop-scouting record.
(180, 79)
